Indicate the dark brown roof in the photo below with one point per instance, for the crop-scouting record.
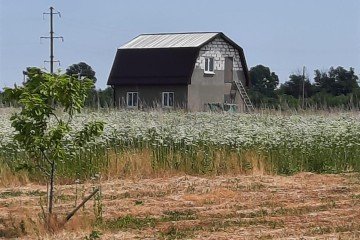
(153, 66)
(156, 66)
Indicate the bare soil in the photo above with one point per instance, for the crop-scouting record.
(303, 206)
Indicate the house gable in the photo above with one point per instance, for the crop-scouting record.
(219, 48)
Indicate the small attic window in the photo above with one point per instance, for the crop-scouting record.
(209, 65)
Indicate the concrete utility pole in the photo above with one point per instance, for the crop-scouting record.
(51, 37)
(303, 88)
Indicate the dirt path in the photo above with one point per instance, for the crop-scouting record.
(184, 207)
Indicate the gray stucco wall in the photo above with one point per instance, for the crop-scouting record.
(151, 96)
(205, 88)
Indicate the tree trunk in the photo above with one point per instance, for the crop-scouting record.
(52, 181)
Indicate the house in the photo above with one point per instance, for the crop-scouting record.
(194, 71)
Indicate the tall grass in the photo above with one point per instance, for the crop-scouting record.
(151, 143)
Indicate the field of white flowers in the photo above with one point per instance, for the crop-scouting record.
(209, 142)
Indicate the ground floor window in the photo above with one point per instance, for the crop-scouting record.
(132, 99)
(168, 99)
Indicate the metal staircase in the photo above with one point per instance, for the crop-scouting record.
(245, 97)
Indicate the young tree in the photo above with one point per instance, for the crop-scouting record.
(35, 129)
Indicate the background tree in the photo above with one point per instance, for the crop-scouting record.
(1, 98)
(39, 129)
(294, 86)
(263, 85)
(106, 97)
(82, 69)
(336, 87)
(263, 80)
(337, 81)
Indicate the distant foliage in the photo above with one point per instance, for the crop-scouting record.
(337, 81)
(263, 80)
(294, 87)
(335, 88)
(81, 69)
(96, 98)
(263, 85)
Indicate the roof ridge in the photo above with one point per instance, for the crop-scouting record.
(173, 33)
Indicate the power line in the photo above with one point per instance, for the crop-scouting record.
(51, 37)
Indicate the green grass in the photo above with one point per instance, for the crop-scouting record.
(128, 222)
(9, 194)
(178, 215)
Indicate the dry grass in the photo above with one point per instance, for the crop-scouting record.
(305, 205)
(10, 178)
(137, 164)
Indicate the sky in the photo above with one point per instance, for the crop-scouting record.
(284, 35)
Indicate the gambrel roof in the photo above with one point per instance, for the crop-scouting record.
(165, 58)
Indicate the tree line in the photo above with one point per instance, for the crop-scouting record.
(334, 88)
(96, 98)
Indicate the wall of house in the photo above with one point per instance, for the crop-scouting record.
(150, 96)
(218, 49)
(212, 88)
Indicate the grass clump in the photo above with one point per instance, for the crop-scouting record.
(128, 222)
(179, 215)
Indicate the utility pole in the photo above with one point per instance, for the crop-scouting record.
(51, 37)
(303, 88)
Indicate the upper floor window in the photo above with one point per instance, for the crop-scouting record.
(209, 65)
(168, 99)
(132, 99)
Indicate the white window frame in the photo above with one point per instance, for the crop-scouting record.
(207, 68)
(167, 103)
(132, 99)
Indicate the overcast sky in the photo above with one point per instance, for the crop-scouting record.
(281, 34)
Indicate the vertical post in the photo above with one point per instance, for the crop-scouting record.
(114, 96)
(51, 42)
(303, 88)
(52, 182)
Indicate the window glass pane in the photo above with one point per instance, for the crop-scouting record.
(171, 99)
(206, 64)
(165, 99)
(135, 98)
(211, 64)
(129, 101)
